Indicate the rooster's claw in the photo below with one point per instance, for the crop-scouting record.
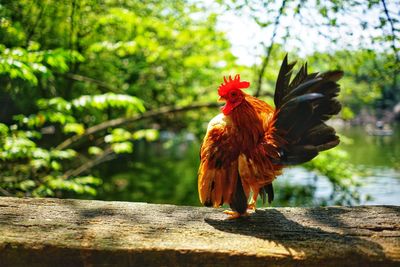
(235, 214)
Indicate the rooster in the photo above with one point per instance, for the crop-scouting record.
(247, 145)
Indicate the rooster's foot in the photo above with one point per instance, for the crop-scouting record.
(251, 206)
(234, 214)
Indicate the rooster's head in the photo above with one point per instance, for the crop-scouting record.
(230, 91)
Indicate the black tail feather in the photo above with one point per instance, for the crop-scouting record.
(267, 190)
(299, 78)
(270, 191)
(301, 89)
(303, 105)
(283, 80)
(239, 200)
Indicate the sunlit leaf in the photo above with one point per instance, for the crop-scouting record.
(124, 147)
(94, 150)
(27, 185)
(76, 128)
(148, 134)
(117, 135)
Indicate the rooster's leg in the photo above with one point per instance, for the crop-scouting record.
(253, 202)
(252, 205)
(234, 214)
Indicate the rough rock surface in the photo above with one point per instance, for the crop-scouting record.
(64, 232)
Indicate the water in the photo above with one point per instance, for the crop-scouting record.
(372, 151)
(380, 158)
(166, 172)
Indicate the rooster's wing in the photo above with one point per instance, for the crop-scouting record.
(218, 172)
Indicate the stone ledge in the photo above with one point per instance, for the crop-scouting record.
(65, 232)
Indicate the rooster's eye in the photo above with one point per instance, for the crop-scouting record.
(233, 94)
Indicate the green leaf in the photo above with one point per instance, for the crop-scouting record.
(77, 128)
(3, 129)
(39, 163)
(104, 101)
(117, 135)
(40, 153)
(55, 165)
(63, 154)
(88, 180)
(78, 185)
(124, 147)
(27, 185)
(94, 150)
(148, 134)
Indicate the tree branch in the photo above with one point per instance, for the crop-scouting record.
(81, 78)
(392, 29)
(5, 192)
(32, 29)
(121, 121)
(108, 154)
(72, 22)
(393, 45)
(269, 49)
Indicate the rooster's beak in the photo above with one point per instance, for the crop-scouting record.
(221, 99)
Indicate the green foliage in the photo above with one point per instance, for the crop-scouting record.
(74, 74)
(25, 71)
(368, 77)
(27, 64)
(292, 195)
(76, 128)
(28, 169)
(68, 114)
(109, 100)
(57, 72)
(148, 134)
(156, 175)
(360, 37)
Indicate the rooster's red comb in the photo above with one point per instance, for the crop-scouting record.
(232, 84)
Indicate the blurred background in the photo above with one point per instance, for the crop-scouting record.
(110, 99)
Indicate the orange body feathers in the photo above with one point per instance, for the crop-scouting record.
(248, 144)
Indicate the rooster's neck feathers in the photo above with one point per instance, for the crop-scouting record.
(246, 119)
